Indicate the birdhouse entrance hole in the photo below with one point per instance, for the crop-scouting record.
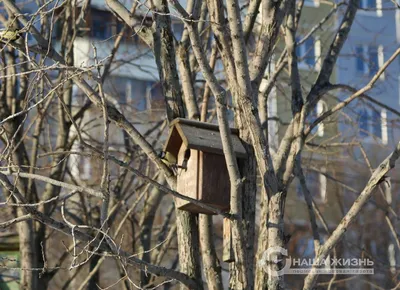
(202, 172)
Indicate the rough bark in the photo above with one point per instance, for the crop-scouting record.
(146, 227)
(376, 178)
(211, 265)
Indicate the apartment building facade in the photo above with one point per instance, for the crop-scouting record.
(133, 85)
(333, 157)
(372, 124)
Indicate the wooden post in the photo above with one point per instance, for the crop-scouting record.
(227, 255)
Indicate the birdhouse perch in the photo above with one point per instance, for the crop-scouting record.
(202, 172)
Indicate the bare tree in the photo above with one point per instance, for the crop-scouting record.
(82, 181)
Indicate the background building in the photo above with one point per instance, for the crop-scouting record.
(335, 168)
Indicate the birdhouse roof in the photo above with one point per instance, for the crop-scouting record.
(200, 136)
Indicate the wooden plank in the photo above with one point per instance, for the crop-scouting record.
(203, 181)
(214, 184)
(227, 254)
(187, 180)
(173, 143)
(199, 124)
(208, 140)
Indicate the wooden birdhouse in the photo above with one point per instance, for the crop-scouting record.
(202, 172)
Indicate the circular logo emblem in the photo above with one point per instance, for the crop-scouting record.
(273, 261)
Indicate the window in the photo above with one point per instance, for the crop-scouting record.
(373, 60)
(312, 3)
(155, 97)
(177, 30)
(376, 123)
(373, 123)
(384, 134)
(101, 24)
(369, 59)
(365, 4)
(272, 122)
(360, 61)
(116, 88)
(316, 184)
(363, 123)
(120, 26)
(317, 48)
(308, 52)
(129, 34)
(371, 7)
(85, 171)
(127, 91)
(319, 109)
(381, 58)
(398, 85)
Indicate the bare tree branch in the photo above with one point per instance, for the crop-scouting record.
(376, 178)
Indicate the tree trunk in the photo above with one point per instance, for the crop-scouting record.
(29, 278)
(211, 266)
(188, 245)
(275, 236)
(146, 226)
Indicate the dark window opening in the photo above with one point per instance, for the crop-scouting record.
(177, 30)
(155, 96)
(363, 123)
(101, 24)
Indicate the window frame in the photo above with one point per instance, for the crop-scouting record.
(321, 197)
(320, 108)
(312, 3)
(151, 102)
(365, 57)
(273, 129)
(107, 24)
(303, 52)
(377, 12)
(373, 60)
(177, 28)
(362, 57)
(369, 134)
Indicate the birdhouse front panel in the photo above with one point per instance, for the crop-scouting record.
(205, 179)
(187, 179)
(214, 185)
(201, 166)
